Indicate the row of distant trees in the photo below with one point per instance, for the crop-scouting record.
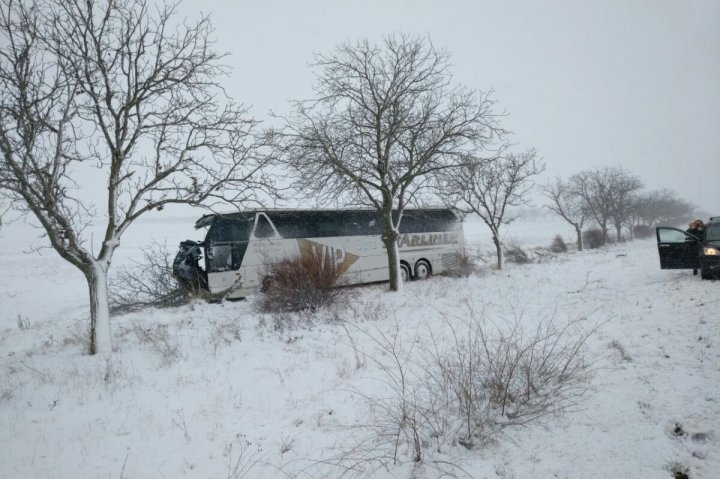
(611, 197)
(118, 91)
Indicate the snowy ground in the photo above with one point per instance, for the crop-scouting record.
(221, 394)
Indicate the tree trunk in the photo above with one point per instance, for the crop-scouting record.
(393, 253)
(604, 233)
(100, 336)
(390, 240)
(578, 232)
(498, 248)
(618, 229)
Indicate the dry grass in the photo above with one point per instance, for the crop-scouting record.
(159, 341)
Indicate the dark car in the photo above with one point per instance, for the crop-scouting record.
(681, 250)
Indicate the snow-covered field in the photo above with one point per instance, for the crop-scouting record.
(222, 394)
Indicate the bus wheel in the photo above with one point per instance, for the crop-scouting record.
(404, 272)
(422, 269)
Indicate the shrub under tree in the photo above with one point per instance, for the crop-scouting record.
(593, 238)
(303, 282)
(558, 245)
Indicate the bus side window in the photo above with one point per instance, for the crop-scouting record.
(263, 228)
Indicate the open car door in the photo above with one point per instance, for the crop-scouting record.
(678, 249)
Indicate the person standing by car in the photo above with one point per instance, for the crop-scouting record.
(697, 229)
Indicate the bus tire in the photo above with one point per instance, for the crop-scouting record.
(404, 272)
(422, 269)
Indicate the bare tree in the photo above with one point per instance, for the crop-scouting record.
(662, 206)
(641, 206)
(567, 205)
(491, 187)
(114, 92)
(623, 188)
(386, 118)
(656, 207)
(591, 186)
(606, 195)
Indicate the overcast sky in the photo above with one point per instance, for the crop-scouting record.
(587, 83)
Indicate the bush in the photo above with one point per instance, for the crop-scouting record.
(514, 253)
(558, 245)
(464, 265)
(464, 386)
(502, 375)
(305, 282)
(593, 238)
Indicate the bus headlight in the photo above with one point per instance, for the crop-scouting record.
(710, 251)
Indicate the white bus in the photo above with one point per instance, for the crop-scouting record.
(238, 247)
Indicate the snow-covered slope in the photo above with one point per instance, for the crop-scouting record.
(216, 390)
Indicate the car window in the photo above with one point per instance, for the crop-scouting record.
(672, 236)
(713, 232)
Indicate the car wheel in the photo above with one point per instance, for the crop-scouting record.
(422, 269)
(704, 275)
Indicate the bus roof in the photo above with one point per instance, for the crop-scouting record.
(209, 219)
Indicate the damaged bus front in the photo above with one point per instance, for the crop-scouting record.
(222, 251)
